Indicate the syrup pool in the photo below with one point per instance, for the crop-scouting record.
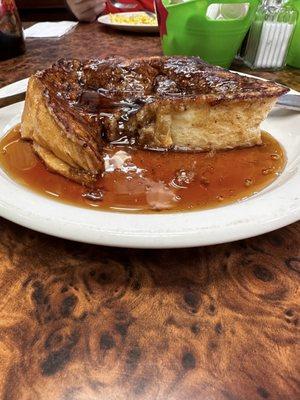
(138, 180)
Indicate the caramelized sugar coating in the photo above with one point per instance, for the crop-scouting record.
(157, 102)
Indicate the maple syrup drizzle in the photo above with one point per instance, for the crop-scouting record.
(137, 180)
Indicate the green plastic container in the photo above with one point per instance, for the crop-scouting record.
(293, 58)
(186, 30)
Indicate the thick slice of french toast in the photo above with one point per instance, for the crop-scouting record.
(73, 109)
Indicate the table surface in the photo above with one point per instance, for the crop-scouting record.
(82, 322)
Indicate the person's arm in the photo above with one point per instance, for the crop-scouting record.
(86, 10)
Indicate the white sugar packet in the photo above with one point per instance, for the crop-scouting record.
(49, 29)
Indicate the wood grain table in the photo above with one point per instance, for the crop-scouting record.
(82, 322)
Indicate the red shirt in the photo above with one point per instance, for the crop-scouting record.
(147, 5)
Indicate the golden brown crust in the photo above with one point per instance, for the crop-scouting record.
(45, 128)
(106, 96)
(74, 108)
(55, 164)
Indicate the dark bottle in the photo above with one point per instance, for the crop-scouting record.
(11, 35)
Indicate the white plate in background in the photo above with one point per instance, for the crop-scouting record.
(105, 20)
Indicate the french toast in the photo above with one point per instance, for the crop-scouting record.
(74, 109)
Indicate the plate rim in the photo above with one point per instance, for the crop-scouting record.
(13, 88)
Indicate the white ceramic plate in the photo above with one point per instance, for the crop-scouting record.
(105, 20)
(14, 88)
(276, 206)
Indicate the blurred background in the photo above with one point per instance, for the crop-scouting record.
(263, 34)
(43, 10)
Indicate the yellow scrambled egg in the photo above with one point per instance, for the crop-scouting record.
(138, 19)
